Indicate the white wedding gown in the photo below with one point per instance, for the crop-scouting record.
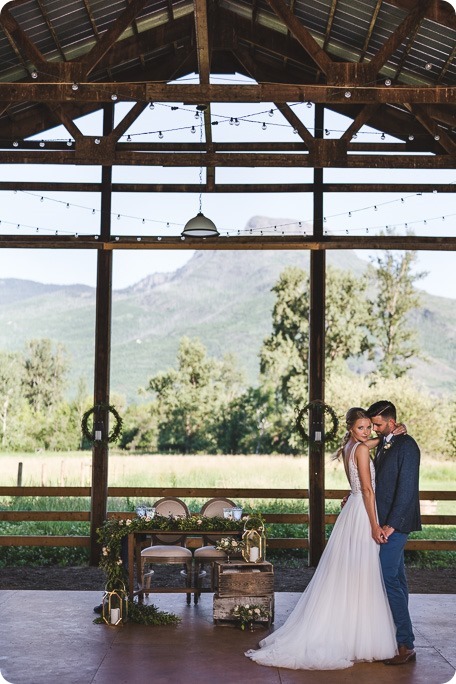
(343, 616)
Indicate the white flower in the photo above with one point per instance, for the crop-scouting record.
(119, 562)
(247, 606)
(128, 521)
(105, 551)
(121, 522)
(257, 611)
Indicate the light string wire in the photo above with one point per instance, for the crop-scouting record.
(274, 227)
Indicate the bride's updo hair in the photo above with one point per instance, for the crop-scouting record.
(352, 415)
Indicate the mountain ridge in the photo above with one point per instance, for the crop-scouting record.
(222, 297)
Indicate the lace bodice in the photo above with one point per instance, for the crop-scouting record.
(353, 474)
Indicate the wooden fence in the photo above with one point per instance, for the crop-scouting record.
(153, 493)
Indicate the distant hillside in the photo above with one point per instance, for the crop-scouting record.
(222, 297)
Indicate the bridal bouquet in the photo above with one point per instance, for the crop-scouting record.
(249, 614)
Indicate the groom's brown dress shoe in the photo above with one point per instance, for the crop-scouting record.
(405, 655)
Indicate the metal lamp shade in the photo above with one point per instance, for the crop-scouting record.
(200, 226)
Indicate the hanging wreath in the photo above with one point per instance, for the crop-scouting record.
(328, 435)
(116, 431)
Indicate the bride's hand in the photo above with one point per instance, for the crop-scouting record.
(400, 429)
(378, 535)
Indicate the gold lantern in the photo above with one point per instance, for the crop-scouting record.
(254, 539)
(115, 605)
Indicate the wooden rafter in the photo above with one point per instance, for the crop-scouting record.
(93, 23)
(407, 26)
(447, 64)
(123, 126)
(438, 133)
(370, 30)
(302, 35)
(362, 118)
(64, 118)
(406, 51)
(329, 24)
(112, 35)
(297, 124)
(50, 28)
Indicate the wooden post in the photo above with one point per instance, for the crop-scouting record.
(100, 451)
(19, 474)
(317, 367)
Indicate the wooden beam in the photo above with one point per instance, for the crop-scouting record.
(202, 39)
(123, 126)
(302, 35)
(103, 317)
(316, 371)
(51, 29)
(230, 188)
(329, 153)
(250, 242)
(194, 94)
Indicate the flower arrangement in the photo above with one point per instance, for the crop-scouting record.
(230, 545)
(249, 613)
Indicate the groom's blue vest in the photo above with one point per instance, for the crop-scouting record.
(397, 484)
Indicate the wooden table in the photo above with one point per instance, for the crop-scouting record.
(132, 545)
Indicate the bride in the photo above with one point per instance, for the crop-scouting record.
(343, 616)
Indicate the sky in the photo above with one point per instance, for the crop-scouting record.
(150, 214)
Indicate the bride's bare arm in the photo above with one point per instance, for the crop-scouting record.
(363, 463)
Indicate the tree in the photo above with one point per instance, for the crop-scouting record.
(284, 355)
(45, 371)
(191, 398)
(10, 391)
(394, 300)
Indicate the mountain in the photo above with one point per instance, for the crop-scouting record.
(222, 297)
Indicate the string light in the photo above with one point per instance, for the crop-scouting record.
(264, 127)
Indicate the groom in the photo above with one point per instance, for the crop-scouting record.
(397, 462)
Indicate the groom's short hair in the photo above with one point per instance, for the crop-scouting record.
(382, 408)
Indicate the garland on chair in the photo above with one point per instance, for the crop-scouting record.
(114, 434)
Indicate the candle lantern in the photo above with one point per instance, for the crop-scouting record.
(254, 539)
(115, 604)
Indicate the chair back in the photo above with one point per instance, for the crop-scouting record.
(170, 505)
(214, 507)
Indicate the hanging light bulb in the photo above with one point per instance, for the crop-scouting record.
(264, 126)
(200, 225)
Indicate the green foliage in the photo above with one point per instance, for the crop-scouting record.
(192, 397)
(43, 380)
(396, 342)
(150, 615)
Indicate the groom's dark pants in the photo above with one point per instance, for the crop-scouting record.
(393, 569)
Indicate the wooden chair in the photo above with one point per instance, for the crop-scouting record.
(207, 553)
(166, 549)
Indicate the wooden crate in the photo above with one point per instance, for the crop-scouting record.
(244, 579)
(223, 606)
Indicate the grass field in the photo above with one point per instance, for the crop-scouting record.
(259, 472)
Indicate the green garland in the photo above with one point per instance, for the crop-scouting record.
(110, 536)
(115, 432)
(329, 435)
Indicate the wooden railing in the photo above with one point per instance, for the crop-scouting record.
(153, 493)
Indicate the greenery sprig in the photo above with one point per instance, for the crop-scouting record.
(328, 435)
(113, 435)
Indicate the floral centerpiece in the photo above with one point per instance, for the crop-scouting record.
(230, 545)
(248, 614)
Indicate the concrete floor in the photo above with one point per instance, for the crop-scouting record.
(48, 637)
